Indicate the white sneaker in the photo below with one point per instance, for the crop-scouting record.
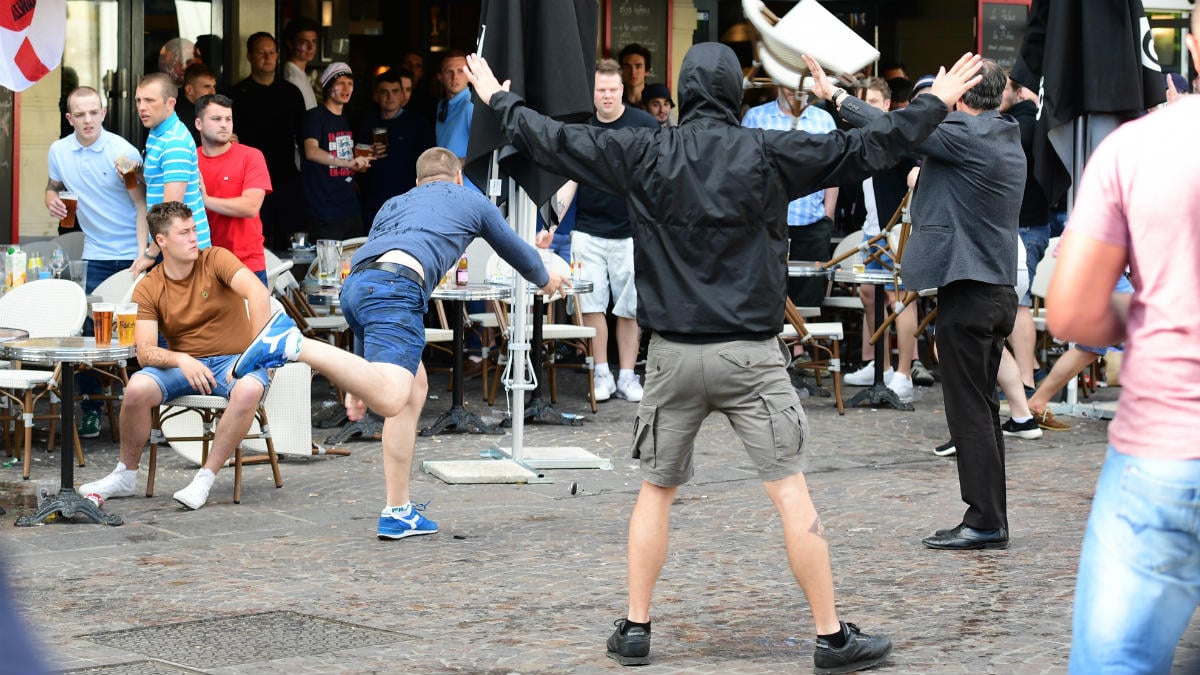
(630, 390)
(865, 376)
(900, 385)
(196, 493)
(121, 482)
(605, 386)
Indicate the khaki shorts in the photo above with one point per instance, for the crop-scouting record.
(745, 380)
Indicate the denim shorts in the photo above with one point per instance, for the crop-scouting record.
(880, 265)
(173, 384)
(386, 313)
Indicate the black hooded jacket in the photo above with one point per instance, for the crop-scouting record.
(708, 198)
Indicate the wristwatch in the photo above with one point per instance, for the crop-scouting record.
(147, 254)
(838, 91)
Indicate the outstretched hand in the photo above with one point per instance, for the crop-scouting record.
(822, 88)
(950, 85)
(480, 75)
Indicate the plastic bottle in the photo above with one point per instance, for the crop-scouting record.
(462, 276)
(18, 268)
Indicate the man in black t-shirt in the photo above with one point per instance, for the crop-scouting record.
(394, 167)
(328, 168)
(267, 113)
(603, 242)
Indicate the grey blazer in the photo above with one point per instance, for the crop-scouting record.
(966, 207)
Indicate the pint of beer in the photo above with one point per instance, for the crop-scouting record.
(70, 201)
(126, 320)
(379, 135)
(127, 167)
(102, 316)
(363, 150)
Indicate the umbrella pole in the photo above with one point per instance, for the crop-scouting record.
(523, 214)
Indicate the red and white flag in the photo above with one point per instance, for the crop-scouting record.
(32, 35)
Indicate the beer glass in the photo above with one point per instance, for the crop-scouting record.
(102, 317)
(126, 320)
(70, 201)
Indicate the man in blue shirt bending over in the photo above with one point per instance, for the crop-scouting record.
(415, 238)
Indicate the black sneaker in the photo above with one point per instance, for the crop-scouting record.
(629, 645)
(1028, 429)
(921, 375)
(945, 449)
(860, 652)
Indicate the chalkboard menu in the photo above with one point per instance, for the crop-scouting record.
(644, 22)
(1001, 31)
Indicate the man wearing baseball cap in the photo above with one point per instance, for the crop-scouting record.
(328, 165)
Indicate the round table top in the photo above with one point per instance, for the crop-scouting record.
(577, 287)
(849, 276)
(806, 268)
(471, 292)
(51, 350)
(7, 334)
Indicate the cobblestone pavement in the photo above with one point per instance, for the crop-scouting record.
(529, 578)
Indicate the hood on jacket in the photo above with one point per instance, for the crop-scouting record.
(710, 84)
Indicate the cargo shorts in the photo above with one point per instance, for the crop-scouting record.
(746, 380)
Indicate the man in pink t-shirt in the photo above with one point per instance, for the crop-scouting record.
(235, 183)
(1138, 205)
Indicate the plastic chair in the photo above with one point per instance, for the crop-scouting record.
(72, 244)
(44, 308)
(822, 340)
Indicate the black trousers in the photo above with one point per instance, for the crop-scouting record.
(973, 319)
(810, 242)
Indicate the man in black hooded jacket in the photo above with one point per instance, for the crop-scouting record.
(710, 265)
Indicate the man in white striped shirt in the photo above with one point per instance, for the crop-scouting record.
(170, 168)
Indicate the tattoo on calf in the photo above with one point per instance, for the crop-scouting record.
(817, 528)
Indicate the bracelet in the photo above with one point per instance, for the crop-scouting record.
(834, 97)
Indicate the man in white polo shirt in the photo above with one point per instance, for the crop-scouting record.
(111, 216)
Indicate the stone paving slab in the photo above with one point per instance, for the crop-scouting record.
(528, 578)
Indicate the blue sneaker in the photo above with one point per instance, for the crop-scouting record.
(407, 523)
(276, 344)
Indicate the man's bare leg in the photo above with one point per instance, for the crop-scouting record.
(627, 343)
(1009, 379)
(235, 421)
(140, 397)
(1023, 340)
(599, 321)
(807, 550)
(383, 387)
(648, 532)
(905, 326)
(866, 292)
(1070, 364)
(399, 440)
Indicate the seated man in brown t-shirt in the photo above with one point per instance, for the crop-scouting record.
(198, 300)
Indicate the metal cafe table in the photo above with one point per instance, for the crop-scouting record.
(878, 392)
(67, 351)
(458, 418)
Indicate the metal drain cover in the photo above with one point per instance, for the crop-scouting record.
(227, 641)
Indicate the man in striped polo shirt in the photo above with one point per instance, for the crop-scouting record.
(171, 169)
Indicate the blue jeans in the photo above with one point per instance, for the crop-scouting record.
(1139, 572)
(386, 313)
(173, 384)
(98, 270)
(1035, 239)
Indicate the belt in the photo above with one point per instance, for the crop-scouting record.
(395, 268)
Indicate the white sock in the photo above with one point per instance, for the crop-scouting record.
(1022, 420)
(205, 476)
(602, 369)
(291, 347)
(625, 375)
(389, 510)
(121, 467)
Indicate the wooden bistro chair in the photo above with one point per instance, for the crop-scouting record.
(821, 341)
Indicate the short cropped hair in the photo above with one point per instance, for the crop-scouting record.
(161, 216)
(394, 75)
(608, 67)
(197, 71)
(634, 48)
(987, 94)
(166, 86)
(81, 92)
(880, 85)
(210, 99)
(437, 164)
(259, 36)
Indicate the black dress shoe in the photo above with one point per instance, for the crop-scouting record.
(963, 538)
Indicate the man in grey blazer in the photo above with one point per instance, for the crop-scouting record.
(963, 243)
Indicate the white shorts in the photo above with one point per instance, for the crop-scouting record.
(608, 264)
